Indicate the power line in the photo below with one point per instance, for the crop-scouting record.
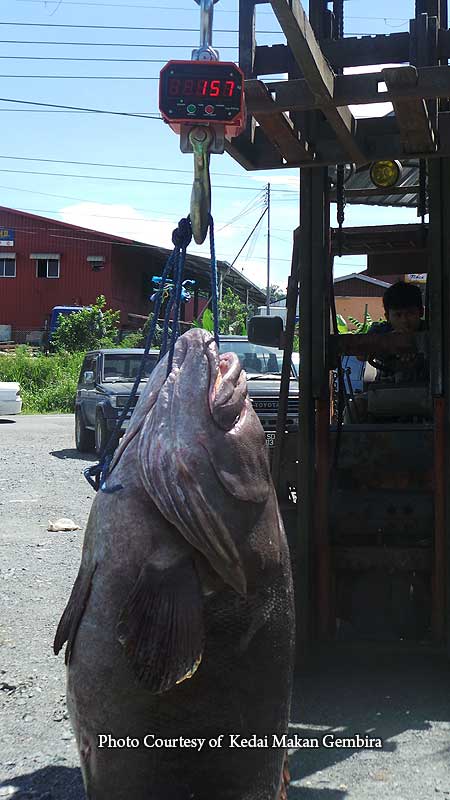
(143, 27)
(120, 218)
(119, 27)
(254, 205)
(111, 44)
(168, 8)
(125, 5)
(36, 232)
(106, 60)
(117, 166)
(86, 77)
(78, 199)
(249, 237)
(106, 216)
(55, 111)
(80, 108)
(127, 180)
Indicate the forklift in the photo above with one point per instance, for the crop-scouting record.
(369, 528)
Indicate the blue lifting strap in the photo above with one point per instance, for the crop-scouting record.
(176, 290)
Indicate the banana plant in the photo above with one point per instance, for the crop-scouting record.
(359, 326)
(364, 326)
(341, 324)
(205, 321)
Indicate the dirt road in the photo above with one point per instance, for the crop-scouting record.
(402, 697)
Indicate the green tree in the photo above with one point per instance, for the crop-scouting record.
(87, 329)
(276, 293)
(233, 314)
(296, 343)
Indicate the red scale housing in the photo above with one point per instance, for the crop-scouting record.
(202, 93)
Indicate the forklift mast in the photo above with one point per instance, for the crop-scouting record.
(370, 529)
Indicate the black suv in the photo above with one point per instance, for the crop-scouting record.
(104, 386)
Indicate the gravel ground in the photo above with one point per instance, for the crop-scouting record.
(402, 696)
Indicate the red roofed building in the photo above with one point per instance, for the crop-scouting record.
(46, 263)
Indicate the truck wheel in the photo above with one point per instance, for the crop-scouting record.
(84, 438)
(101, 433)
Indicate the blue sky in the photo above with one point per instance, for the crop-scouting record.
(148, 149)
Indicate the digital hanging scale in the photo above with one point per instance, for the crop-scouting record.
(199, 92)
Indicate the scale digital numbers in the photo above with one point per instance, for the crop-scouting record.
(200, 87)
(202, 92)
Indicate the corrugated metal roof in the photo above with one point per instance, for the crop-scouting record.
(360, 277)
(360, 181)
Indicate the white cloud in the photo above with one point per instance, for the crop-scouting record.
(120, 220)
(124, 220)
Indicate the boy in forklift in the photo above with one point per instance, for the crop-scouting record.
(403, 308)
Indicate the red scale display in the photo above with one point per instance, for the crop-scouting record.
(202, 91)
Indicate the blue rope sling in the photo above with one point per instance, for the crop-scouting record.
(181, 238)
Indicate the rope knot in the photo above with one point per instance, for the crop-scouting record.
(181, 236)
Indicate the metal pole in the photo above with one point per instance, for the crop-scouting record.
(268, 252)
(306, 426)
(291, 311)
(206, 51)
(206, 22)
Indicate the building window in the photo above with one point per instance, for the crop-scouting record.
(96, 262)
(7, 267)
(47, 268)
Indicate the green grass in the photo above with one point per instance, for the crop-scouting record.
(47, 383)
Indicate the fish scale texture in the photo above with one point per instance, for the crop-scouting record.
(190, 558)
(241, 688)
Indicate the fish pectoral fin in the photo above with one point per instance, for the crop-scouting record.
(161, 626)
(184, 503)
(73, 612)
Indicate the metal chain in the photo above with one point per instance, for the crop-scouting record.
(422, 205)
(340, 202)
(338, 11)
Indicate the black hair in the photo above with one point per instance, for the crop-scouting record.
(402, 295)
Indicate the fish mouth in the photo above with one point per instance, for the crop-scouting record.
(228, 389)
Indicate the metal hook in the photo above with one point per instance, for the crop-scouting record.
(206, 51)
(201, 139)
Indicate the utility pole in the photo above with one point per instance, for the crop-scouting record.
(268, 251)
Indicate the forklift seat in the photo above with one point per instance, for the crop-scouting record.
(399, 401)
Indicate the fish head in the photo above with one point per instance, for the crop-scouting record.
(201, 451)
(204, 388)
(203, 409)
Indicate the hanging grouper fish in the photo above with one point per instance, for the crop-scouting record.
(180, 625)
